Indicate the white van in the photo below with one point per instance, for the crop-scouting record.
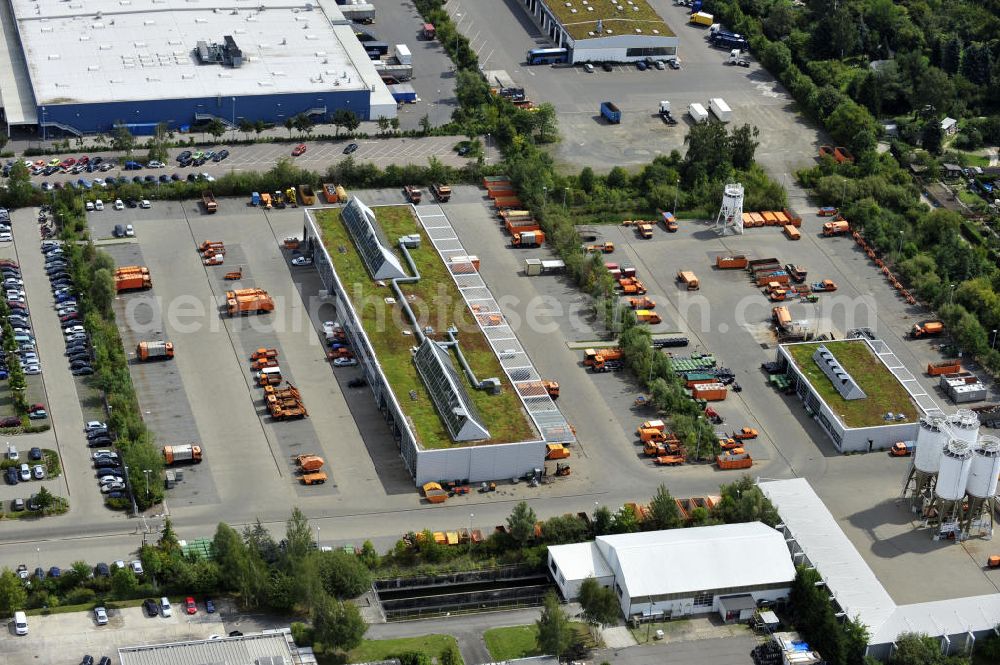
(20, 623)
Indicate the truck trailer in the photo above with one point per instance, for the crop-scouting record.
(697, 112)
(720, 109)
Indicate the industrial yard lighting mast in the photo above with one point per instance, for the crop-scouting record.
(146, 472)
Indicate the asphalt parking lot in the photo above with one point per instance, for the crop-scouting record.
(318, 157)
(207, 393)
(502, 33)
(729, 317)
(398, 22)
(65, 638)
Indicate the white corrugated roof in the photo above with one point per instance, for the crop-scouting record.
(124, 50)
(843, 569)
(15, 85)
(579, 561)
(699, 559)
(852, 582)
(271, 648)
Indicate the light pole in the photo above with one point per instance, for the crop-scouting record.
(146, 472)
(487, 158)
(317, 536)
(677, 190)
(993, 343)
(951, 295)
(900, 250)
(471, 515)
(565, 190)
(545, 193)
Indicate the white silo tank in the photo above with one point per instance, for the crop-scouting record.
(953, 474)
(932, 437)
(964, 425)
(985, 468)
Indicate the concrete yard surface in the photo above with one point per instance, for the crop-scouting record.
(65, 638)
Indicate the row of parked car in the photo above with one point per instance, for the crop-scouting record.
(110, 474)
(26, 354)
(6, 232)
(104, 183)
(76, 338)
(86, 164)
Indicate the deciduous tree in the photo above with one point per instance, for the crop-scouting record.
(522, 522)
(599, 604)
(337, 625)
(555, 634)
(13, 595)
(663, 512)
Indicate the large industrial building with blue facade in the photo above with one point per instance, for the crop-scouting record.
(85, 66)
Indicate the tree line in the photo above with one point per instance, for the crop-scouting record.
(92, 274)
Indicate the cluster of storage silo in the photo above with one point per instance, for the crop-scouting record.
(954, 473)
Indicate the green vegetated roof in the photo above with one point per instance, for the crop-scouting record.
(436, 298)
(884, 392)
(632, 15)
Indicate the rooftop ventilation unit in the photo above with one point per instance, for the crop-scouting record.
(227, 54)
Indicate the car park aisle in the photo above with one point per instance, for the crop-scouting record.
(350, 462)
(65, 414)
(238, 464)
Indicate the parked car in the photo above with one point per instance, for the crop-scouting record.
(300, 149)
(151, 608)
(189, 605)
(350, 148)
(100, 616)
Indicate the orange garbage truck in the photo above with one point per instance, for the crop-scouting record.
(131, 281)
(836, 228)
(154, 350)
(248, 301)
(181, 454)
(927, 329)
(528, 239)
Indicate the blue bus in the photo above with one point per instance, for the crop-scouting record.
(547, 56)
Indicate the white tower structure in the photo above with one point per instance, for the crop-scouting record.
(932, 436)
(964, 425)
(730, 219)
(953, 476)
(982, 486)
